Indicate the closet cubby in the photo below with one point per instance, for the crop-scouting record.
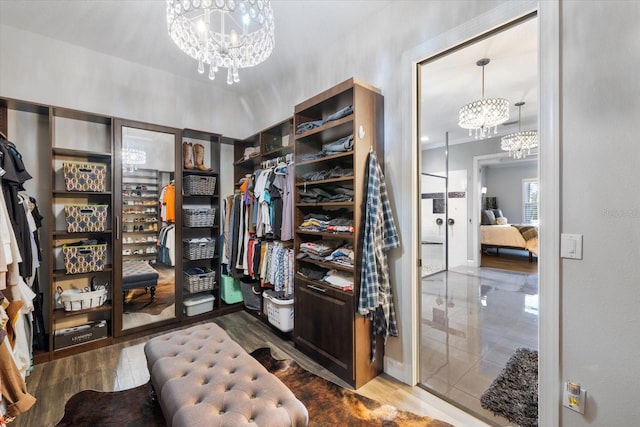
(269, 147)
(335, 131)
(79, 141)
(201, 220)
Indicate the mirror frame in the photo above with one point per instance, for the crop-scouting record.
(118, 126)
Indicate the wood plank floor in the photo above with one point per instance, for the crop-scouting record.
(123, 366)
(509, 260)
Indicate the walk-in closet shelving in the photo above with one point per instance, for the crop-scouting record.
(327, 325)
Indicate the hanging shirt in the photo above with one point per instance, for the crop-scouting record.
(376, 300)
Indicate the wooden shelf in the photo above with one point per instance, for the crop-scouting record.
(326, 159)
(325, 234)
(325, 181)
(329, 265)
(324, 204)
(62, 314)
(325, 127)
(64, 234)
(63, 193)
(59, 274)
(68, 152)
(186, 172)
(275, 152)
(213, 196)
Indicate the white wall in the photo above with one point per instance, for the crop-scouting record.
(600, 180)
(40, 69)
(505, 183)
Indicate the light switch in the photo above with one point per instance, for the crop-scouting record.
(571, 246)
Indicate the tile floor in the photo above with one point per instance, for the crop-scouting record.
(473, 320)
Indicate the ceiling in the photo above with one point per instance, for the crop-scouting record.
(451, 81)
(136, 31)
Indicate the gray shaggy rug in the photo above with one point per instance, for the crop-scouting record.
(514, 393)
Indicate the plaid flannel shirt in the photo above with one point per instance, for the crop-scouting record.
(376, 300)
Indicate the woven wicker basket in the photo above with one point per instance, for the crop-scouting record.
(76, 299)
(199, 282)
(199, 185)
(198, 250)
(199, 217)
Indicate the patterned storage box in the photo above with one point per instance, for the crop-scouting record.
(199, 282)
(85, 258)
(85, 218)
(204, 217)
(199, 185)
(199, 248)
(84, 176)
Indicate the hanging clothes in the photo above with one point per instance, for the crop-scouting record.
(167, 245)
(376, 300)
(167, 201)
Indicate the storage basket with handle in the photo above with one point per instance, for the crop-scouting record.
(85, 218)
(80, 299)
(84, 176)
(84, 258)
(201, 217)
(199, 185)
(199, 248)
(199, 280)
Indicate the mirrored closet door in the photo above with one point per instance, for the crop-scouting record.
(147, 256)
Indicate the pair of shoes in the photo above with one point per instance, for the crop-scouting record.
(125, 229)
(126, 252)
(193, 156)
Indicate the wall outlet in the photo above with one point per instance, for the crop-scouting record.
(574, 397)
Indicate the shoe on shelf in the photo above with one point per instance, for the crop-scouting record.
(126, 252)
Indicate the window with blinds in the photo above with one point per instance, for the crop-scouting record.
(530, 201)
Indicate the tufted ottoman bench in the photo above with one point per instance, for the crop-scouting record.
(204, 378)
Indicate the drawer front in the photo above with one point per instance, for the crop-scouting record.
(324, 327)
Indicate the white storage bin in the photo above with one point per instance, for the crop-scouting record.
(198, 304)
(279, 310)
(77, 299)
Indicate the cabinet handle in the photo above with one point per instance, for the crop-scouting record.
(315, 288)
(117, 227)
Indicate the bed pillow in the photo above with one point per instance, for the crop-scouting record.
(501, 220)
(497, 213)
(488, 217)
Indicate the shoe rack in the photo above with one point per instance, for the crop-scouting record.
(140, 188)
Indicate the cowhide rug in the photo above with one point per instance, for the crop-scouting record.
(328, 404)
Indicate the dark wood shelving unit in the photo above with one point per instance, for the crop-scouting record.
(328, 327)
(62, 314)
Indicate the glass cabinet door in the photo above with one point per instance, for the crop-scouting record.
(147, 255)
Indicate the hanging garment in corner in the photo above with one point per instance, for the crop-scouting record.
(376, 299)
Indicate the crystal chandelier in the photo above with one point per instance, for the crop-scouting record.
(484, 114)
(132, 157)
(519, 144)
(222, 33)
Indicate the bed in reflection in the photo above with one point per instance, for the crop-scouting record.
(497, 233)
